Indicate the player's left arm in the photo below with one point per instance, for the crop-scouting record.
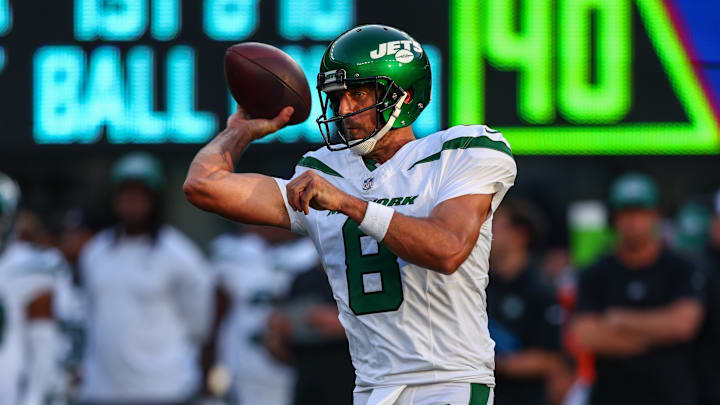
(440, 242)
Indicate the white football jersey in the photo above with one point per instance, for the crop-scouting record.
(255, 275)
(406, 324)
(25, 272)
(149, 308)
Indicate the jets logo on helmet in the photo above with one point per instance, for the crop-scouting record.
(390, 48)
(404, 56)
(378, 55)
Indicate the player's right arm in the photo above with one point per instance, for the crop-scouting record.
(212, 184)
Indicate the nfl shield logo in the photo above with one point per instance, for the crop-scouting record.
(368, 183)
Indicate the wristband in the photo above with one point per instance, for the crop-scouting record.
(376, 221)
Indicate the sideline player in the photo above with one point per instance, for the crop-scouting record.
(149, 294)
(28, 332)
(255, 270)
(403, 225)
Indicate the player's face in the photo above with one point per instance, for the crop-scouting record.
(353, 99)
(133, 204)
(636, 226)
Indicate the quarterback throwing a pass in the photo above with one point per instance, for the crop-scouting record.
(403, 225)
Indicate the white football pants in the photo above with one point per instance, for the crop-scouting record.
(429, 394)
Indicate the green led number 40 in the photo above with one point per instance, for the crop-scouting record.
(553, 76)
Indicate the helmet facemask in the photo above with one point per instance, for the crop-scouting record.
(389, 99)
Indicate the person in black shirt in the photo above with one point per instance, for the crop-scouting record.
(523, 316)
(708, 343)
(639, 308)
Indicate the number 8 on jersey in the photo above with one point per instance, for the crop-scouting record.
(373, 274)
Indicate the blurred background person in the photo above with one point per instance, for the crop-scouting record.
(305, 332)
(76, 227)
(524, 316)
(708, 343)
(691, 229)
(639, 308)
(28, 333)
(255, 269)
(149, 294)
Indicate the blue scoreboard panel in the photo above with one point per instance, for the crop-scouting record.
(151, 71)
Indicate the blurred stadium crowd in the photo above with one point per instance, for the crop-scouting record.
(122, 308)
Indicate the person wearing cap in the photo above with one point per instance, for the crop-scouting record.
(149, 293)
(639, 308)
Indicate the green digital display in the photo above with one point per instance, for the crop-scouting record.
(579, 85)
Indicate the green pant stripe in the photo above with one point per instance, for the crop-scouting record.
(479, 394)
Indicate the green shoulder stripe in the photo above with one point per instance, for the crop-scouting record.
(313, 163)
(466, 142)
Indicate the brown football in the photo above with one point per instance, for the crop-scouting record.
(264, 80)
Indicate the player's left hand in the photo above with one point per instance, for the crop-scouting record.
(311, 190)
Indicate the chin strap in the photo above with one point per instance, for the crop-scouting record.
(364, 146)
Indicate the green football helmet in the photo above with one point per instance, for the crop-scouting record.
(378, 55)
(9, 202)
(141, 167)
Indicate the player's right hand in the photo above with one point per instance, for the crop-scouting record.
(259, 127)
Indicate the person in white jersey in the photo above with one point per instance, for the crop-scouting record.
(255, 269)
(149, 293)
(28, 333)
(403, 225)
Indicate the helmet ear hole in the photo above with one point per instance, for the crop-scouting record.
(410, 93)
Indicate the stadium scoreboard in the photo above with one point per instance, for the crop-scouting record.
(557, 77)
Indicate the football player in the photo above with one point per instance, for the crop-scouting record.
(255, 269)
(149, 294)
(28, 335)
(403, 225)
